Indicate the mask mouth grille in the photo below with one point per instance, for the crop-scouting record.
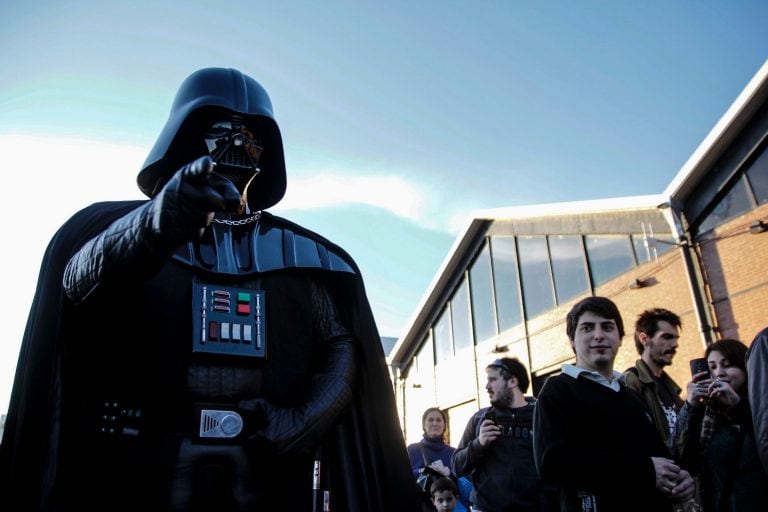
(238, 151)
(240, 175)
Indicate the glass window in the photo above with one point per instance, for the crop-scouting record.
(425, 358)
(505, 281)
(481, 286)
(462, 327)
(642, 246)
(649, 248)
(664, 243)
(758, 177)
(735, 202)
(442, 336)
(609, 256)
(568, 266)
(534, 274)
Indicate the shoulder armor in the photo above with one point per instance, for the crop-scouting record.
(274, 244)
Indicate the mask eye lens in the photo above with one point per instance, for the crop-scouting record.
(217, 135)
(222, 126)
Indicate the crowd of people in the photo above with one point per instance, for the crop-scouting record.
(193, 352)
(597, 440)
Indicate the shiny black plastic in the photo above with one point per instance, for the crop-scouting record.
(206, 96)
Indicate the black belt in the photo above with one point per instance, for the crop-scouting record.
(203, 423)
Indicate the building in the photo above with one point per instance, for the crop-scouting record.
(699, 249)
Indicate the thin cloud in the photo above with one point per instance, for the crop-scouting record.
(328, 189)
(421, 204)
(73, 173)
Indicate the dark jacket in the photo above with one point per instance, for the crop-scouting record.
(732, 478)
(595, 443)
(640, 379)
(757, 369)
(503, 474)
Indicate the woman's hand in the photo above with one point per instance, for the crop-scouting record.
(721, 392)
(440, 468)
(698, 389)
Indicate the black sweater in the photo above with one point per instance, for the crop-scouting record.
(503, 473)
(592, 439)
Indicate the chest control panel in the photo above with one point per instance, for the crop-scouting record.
(228, 320)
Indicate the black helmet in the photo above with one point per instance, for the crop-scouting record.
(206, 96)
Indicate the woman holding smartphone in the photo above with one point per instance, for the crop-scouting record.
(714, 437)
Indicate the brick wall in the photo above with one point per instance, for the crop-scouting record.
(736, 272)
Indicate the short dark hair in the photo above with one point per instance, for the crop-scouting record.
(733, 350)
(648, 323)
(598, 305)
(512, 367)
(443, 484)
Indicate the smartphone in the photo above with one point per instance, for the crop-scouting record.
(699, 365)
(489, 415)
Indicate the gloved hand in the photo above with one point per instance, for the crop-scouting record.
(138, 243)
(186, 204)
(274, 428)
(296, 430)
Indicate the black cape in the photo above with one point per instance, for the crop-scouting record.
(367, 463)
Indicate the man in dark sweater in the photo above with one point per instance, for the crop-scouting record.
(496, 450)
(595, 440)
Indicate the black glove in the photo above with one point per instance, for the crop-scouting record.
(137, 244)
(297, 430)
(186, 204)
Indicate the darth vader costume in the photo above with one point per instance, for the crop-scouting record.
(193, 352)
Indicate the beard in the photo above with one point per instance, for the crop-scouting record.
(503, 399)
(659, 356)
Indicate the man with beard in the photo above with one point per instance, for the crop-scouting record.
(595, 441)
(657, 332)
(496, 450)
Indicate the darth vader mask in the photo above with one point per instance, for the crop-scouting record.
(236, 151)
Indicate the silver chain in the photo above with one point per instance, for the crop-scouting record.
(239, 222)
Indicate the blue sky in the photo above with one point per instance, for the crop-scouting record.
(399, 118)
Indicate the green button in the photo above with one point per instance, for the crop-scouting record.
(243, 297)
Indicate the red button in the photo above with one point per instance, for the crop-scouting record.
(213, 331)
(243, 309)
